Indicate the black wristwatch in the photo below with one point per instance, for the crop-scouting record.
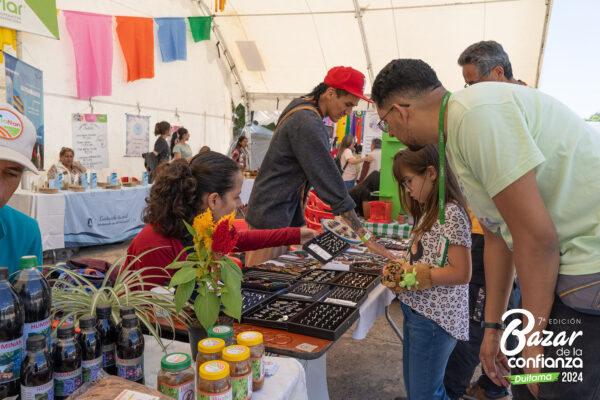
(493, 325)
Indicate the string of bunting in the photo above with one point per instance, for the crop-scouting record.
(92, 38)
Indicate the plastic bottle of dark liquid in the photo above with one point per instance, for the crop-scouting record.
(108, 337)
(36, 371)
(11, 337)
(66, 357)
(130, 350)
(91, 348)
(123, 311)
(35, 295)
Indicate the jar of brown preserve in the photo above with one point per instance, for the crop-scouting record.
(214, 382)
(240, 370)
(176, 376)
(254, 341)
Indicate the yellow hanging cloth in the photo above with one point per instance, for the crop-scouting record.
(7, 37)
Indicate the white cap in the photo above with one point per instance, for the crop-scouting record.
(17, 137)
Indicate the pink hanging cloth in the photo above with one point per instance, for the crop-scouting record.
(92, 43)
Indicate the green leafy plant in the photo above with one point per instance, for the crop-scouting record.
(207, 270)
(78, 296)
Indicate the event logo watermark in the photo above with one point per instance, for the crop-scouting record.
(11, 125)
(566, 357)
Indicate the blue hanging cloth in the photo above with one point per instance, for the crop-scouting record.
(172, 38)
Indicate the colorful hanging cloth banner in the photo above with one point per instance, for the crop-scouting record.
(172, 38)
(353, 125)
(359, 126)
(8, 37)
(92, 42)
(200, 27)
(136, 35)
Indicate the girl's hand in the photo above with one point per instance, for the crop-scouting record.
(306, 234)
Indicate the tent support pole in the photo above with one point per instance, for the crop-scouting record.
(358, 16)
(549, 4)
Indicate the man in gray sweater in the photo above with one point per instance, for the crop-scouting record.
(298, 158)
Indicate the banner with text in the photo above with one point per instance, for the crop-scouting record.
(90, 141)
(35, 16)
(25, 92)
(137, 135)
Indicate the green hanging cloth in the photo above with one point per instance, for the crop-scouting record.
(200, 27)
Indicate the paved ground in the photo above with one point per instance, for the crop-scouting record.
(356, 369)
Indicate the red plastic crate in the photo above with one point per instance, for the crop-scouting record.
(381, 211)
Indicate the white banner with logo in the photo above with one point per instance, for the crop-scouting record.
(90, 141)
(370, 131)
(33, 16)
(137, 135)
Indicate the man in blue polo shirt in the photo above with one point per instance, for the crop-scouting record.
(19, 234)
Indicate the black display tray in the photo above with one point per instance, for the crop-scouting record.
(250, 316)
(367, 267)
(318, 248)
(328, 298)
(350, 316)
(340, 280)
(266, 280)
(247, 305)
(306, 277)
(324, 290)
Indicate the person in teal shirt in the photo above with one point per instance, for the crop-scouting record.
(528, 167)
(19, 234)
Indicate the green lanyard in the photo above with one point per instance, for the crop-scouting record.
(442, 154)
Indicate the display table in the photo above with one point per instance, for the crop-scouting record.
(392, 229)
(289, 382)
(73, 219)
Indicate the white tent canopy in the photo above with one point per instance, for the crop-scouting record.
(281, 49)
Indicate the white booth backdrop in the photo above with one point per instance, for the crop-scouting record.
(199, 89)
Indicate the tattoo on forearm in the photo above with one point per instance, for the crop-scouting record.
(355, 224)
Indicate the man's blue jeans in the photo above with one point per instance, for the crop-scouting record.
(426, 350)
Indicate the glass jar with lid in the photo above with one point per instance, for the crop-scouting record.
(214, 382)
(240, 370)
(254, 341)
(209, 349)
(176, 376)
(224, 332)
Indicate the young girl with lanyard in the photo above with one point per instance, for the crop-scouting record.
(432, 282)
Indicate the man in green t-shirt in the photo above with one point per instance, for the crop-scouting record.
(528, 167)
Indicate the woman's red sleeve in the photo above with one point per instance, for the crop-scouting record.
(263, 238)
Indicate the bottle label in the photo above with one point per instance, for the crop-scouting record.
(226, 395)
(37, 328)
(241, 387)
(108, 355)
(11, 356)
(181, 392)
(66, 383)
(90, 368)
(258, 369)
(132, 369)
(45, 391)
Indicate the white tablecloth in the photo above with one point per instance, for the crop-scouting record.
(374, 306)
(103, 211)
(289, 382)
(247, 186)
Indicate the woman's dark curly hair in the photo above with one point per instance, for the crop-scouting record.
(179, 189)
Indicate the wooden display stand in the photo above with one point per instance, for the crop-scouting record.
(102, 185)
(76, 188)
(132, 184)
(48, 190)
(114, 187)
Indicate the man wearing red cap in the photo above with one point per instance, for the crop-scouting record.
(19, 234)
(298, 158)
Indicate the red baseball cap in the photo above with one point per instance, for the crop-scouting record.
(348, 79)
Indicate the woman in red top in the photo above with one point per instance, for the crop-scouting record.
(180, 192)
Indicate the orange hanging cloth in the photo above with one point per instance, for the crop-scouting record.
(136, 35)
